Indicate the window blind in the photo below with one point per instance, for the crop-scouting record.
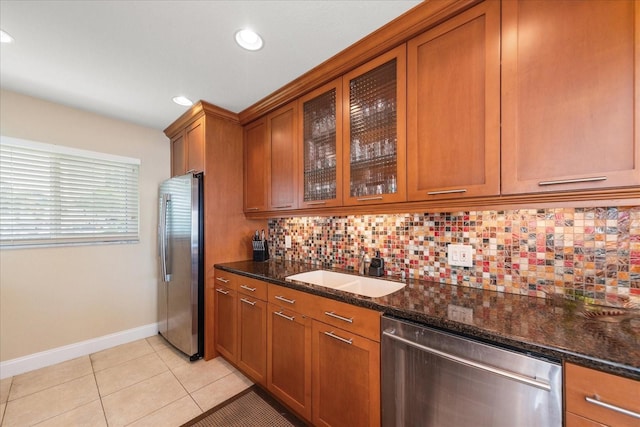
(54, 195)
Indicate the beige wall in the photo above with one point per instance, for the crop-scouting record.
(52, 297)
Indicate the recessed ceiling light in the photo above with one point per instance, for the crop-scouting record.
(5, 37)
(249, 39)
(183, 100)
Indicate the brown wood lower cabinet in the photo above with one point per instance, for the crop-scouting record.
(346, 378)
(595, 398)
(289, 359)
(252, 337)
(226, 320)
(329, 374)
(318, 356)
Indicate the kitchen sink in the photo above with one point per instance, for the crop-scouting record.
(366, 286)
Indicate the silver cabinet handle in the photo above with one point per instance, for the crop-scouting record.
(248, 288)
(364, 199)
(288, 301)
(504, 373)
(281, 314)
(222, 280)
(344, 340)
(337, 316)
(460, 190)
(253, 209)
(573, 181)
(596, 401)
(282, 207)
(246, 301)
(222, 291)
(316, 203)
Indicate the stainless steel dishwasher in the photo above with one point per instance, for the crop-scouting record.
(436, 379)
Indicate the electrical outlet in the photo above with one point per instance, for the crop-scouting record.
(287, 242)
(460, 314)
(460, 255)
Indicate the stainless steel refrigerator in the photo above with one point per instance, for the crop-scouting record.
(181, 281)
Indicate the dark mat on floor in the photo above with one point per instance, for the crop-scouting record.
(253, 408)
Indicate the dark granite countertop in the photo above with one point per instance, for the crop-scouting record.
(606, 338)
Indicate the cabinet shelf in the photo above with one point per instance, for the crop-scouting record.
(377, 162)
(314, 173)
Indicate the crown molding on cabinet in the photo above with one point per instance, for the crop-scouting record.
(396, 32)
(198, 109)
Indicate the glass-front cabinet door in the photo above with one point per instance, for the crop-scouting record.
(321, 157)
(374, 130)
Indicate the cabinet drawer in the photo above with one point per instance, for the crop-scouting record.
(225, 280)
(251, 287)
(584, 383)
(290, 299)
(573, 420)
(358, 320)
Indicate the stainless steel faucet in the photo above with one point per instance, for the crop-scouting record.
(362, 268)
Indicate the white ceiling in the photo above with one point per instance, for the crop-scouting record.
(127, 59)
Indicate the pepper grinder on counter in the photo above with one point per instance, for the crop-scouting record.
(376, 266)
(260, 247)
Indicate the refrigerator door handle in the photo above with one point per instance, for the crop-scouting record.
(162, 236)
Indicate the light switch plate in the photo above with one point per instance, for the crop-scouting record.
(460, 255)
(287, 242)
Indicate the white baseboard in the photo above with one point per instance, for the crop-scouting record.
(45, 358)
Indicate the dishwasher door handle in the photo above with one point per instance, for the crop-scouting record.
(492, 369)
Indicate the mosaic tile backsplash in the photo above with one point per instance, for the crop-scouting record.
(586, 253)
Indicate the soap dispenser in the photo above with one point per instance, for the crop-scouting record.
(376, 266)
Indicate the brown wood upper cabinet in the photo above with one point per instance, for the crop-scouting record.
(320, 160)
(453, 107)
(282, 158)
(374, 130)
(187, 149)
(570, 95)
(255, 166)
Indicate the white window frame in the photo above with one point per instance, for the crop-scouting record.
(52, 195)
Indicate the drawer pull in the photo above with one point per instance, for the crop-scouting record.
(344, 340)
(222, 291)
(246, 301)
(316, 203)
(222, 280)
(573, 181)
(366, 199)
(281, 314)
(596, 401)
(253, 209)
(282, 206)
(460, 190)
(337, 316)
(248, 288)
(288, 301)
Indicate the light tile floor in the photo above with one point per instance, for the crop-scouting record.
(143, 383)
